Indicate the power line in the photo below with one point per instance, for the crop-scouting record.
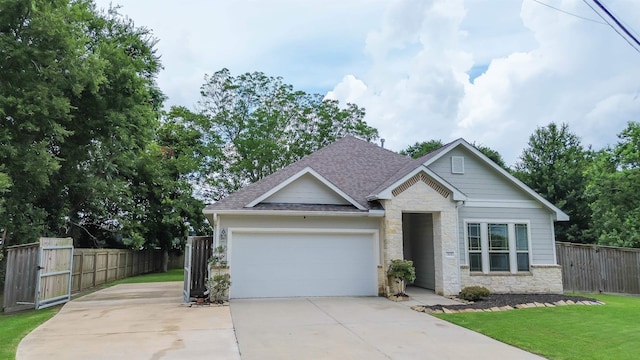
(569, 13)
(630, 38)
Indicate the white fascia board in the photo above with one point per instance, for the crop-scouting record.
(372, 213)
(376, 213)
(300, 173)
(559, 215)
(493, 203)
(386, 193)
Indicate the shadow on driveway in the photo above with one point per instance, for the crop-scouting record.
(133, 321)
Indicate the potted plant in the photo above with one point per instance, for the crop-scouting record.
(403, 272)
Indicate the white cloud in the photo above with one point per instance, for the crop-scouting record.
(349, 90)
(563, 69)
(407, 62)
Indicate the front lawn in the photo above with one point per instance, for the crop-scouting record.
(610, 331)
(171, 275)
(14, 327)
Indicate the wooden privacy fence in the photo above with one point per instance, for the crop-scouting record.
(592, 268)
(93, 267)
(46, 273)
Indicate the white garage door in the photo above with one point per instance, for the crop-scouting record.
(287, 265)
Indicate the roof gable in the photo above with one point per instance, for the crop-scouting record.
(306, 187)
(510, 179)
(359, 172)
(351, 167)
(386, 191)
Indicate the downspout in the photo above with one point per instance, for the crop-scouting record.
(459, 204)
(553, 241)
(215, 229)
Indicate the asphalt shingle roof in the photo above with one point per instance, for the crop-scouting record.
(355, 166)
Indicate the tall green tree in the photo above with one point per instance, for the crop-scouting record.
(492, 154)
(264, 125)
(614, 191)
(420, 149)
(163, 188)
(78, 104)
(554, 165)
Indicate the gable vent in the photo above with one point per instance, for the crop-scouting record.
(425, 179)
(457, 164)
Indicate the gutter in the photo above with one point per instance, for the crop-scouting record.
(370, 213)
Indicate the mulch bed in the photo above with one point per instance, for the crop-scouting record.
(500, 302)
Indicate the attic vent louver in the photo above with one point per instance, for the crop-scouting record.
(457, 164)
(424, 178)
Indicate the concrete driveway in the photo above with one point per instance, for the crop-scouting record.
(133, 321)
(355, 328)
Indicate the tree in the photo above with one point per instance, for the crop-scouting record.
(553, 165)
(79, 104)
(420, 149)
(492, 154)
(164, 210)
(264, 125)
(614, 191)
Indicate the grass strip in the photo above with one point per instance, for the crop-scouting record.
(610, 331)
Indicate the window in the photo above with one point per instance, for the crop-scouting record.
(522, 247)
(498, 247)
(475, 247)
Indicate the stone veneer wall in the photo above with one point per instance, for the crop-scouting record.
(542, 279)
(422, 198)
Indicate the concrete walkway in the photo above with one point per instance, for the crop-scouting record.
(133, 321)
(369, 328)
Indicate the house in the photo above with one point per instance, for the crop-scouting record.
(329, 224)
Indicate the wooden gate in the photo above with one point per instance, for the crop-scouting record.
(54, 272)
(186, 292)
(38, 274)
(21, 277)
(196, 269)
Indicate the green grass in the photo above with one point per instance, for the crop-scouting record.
(14, 327)
(171, 275)
(580, 332)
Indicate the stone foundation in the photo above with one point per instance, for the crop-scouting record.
(541, 279)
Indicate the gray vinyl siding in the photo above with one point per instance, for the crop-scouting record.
(542, 240)
(479, 181)
(306, 190)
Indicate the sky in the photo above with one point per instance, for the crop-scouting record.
(489, 71)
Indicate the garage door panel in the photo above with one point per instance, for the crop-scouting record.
(283, 265)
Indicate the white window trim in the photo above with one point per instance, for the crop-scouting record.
(484, 240)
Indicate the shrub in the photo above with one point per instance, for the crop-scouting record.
(474, 293)
(403, 272)
(218, 285)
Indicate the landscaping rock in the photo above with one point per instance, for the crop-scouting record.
(502, 302)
